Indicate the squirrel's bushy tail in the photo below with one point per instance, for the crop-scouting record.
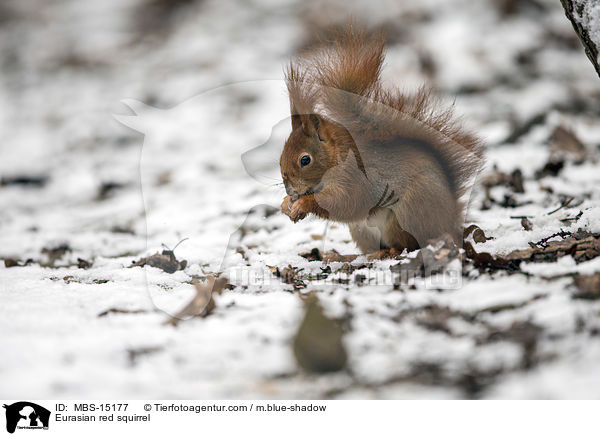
(350, 62)
(341, 82)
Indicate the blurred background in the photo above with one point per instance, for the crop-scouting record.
(70, 189)
(65, 65)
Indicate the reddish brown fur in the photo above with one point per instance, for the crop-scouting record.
(392, 166)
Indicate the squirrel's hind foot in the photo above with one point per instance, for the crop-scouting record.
(387, 253)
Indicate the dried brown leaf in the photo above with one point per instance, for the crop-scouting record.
(165, 261)
(588, 286)
(203, 302)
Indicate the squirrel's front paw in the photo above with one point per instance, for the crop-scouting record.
(286, 205)
(298, 209)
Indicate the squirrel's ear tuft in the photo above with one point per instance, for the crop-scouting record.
(310, 124)
(296, 121)
(315, 121)
(297, 118)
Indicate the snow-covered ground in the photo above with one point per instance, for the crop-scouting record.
(140, 123)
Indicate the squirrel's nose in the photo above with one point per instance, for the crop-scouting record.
(289, 191)
(292, 193)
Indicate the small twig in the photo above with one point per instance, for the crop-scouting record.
(176, 245)
(575, 218)
(563, 204)
(123, 311)
(544, 241)
(179, 243)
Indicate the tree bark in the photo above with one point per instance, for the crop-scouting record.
(574, 10)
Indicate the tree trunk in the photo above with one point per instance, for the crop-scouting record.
(588, 29)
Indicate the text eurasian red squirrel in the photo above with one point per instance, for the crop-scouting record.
(392, 166)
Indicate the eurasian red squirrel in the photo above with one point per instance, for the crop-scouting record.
(392, 166)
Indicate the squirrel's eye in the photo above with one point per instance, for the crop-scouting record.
(304, 160)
